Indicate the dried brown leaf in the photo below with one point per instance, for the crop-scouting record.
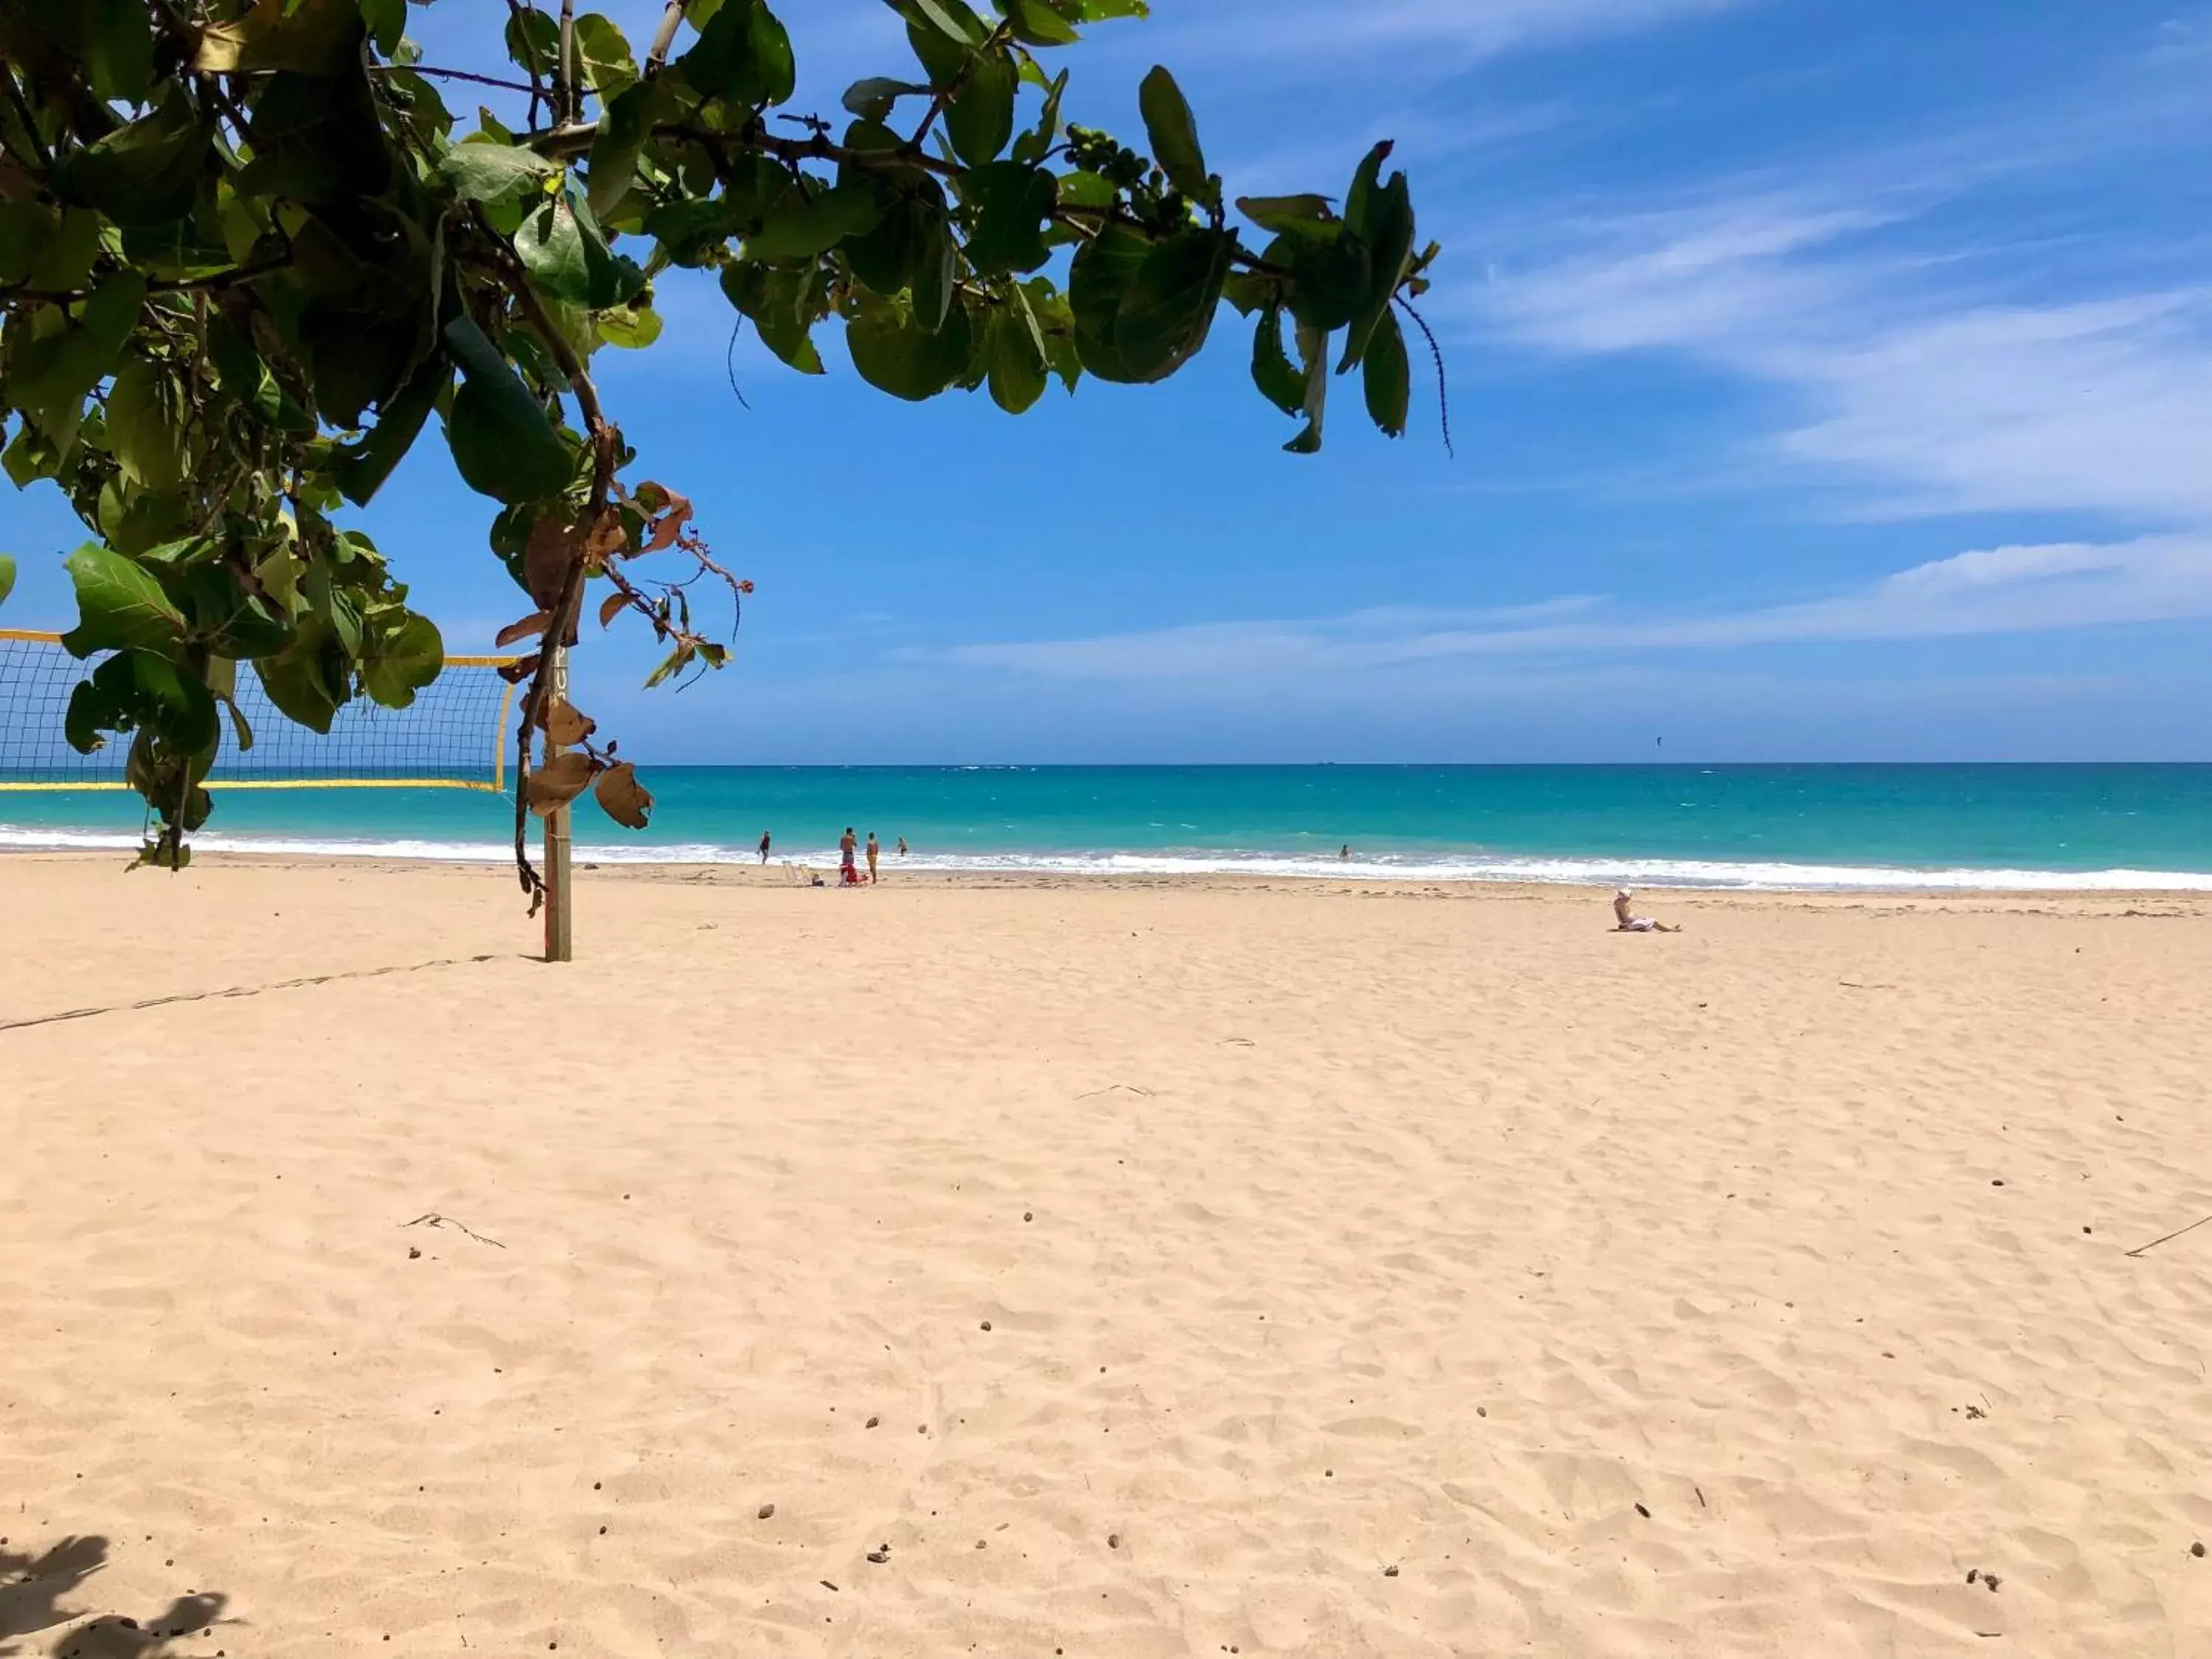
(612, 606)
(535, 622)
(566, 724)
(623, 797)
(519, 669)
(553, 549)
(607, 538)
(559, 780)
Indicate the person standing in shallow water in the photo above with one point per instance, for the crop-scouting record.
(764, 840)
(875, 852)
(902, 847)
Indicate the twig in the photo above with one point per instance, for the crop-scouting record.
(729, 364)
(537, 73)
(1443, 396)
(1127, 1088)
(23, 114)
(946, 94)
(455, 75)
(2176, 1233)
(436, 1220)
(664, 37)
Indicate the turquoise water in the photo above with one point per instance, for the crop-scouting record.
(1731, 826)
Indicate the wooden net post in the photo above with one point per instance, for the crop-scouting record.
(559, 946)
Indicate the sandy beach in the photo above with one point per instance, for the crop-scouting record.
(1109, 1270)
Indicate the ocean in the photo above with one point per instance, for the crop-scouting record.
(1846, 828)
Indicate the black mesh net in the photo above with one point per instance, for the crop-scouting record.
(453, 733)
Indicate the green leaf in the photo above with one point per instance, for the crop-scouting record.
(1387, 377)
(632, 328)
(981, 117)
(1330, 277)
(871, 99)
(936, 267)
(317, 139)
(1279, 381)
(63, 260)
(118, 47)
(625, 125)
(1086, 190)
(1011, 204)
(1287, 214)
(1174, 134)
(314, 37)
(1390, 238)
(896, 354)
(778, 303)
(1037, 142)
(602, 54)
(533, 41)
(146, 424)
(742, 55)
(119, 606)
(1104, 270)
(361, 471)
(888, 257)
(250, 626)
(388, 28)
(803, 224)
(1313, 351)
(1037, 24)
(482, 171)
(1019, 374)
(568, 257)
(307, 682)
(400, 659)
(90, 711)
(146, 173)
(502, 442)
(951, 19)
(7, 576)
(1170, 303)
(1359, 203)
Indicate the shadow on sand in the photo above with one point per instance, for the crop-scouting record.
(33, 1590)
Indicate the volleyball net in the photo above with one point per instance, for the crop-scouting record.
(453, 735)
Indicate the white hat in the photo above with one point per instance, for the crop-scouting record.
(1623, 893)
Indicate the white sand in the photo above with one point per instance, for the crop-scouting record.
(1319, 1231)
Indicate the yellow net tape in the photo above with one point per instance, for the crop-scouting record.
(453, 736)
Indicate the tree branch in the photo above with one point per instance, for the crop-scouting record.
(665, 37)
(606, 444)
(159, 285)
(537, 73)
(566, 72)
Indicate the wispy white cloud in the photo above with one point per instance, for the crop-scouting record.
(1920, 380)
(1463, 30)
(2002, 590)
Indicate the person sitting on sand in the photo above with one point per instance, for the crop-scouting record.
(1630, 923)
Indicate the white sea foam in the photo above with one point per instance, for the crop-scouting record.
(1691, 873)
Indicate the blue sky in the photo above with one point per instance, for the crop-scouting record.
(1830, 379)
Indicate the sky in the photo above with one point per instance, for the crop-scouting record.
(1829, 379)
